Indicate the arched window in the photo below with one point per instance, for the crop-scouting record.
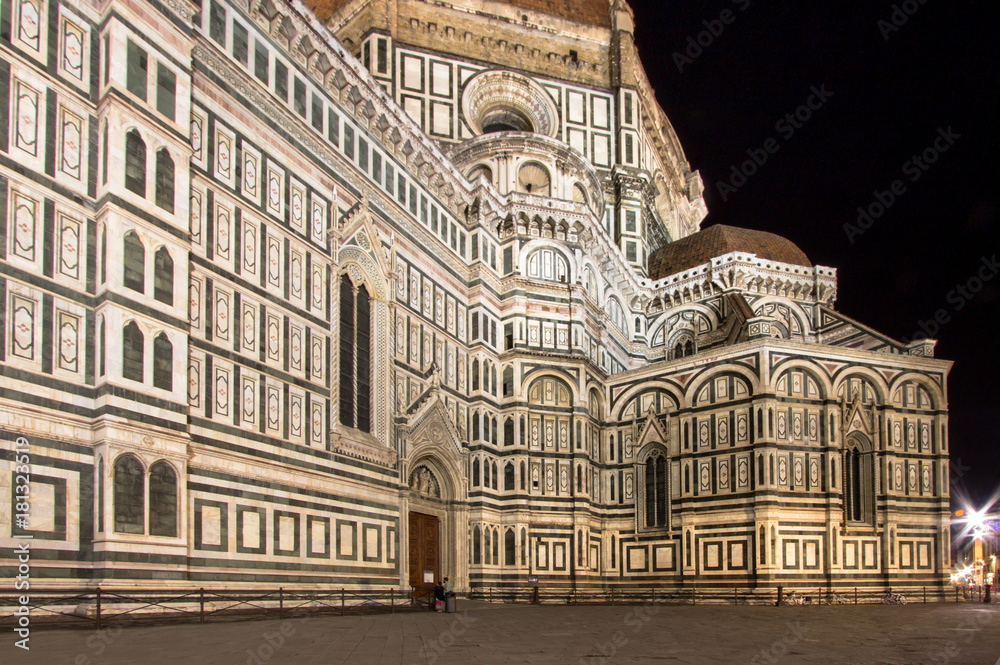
(101, 347)
(508, 431)
(100, 495)
(508, 381)
(475, 375)
(760, 469)
(524, 477)
(579, 479)
(493, 431)
(496, 547)
(656, 490)
(509, 548)
(496, 483)
(475, 426)
(476, 546)
(508, 477)
(613, 551)
(487, 533)
(162, 500)
(355, 355)
(617, 315)
(135, 163)
(164, 180)
(547, 264)
(104, 255)
(134, 275)
(524, 547)
(579, 548)
(129, 494)
(859, 486)
(613, 488)
(163, 276)
(132, 352)
(163, 362)
(493, 380)
(763, 546)
(475, 472)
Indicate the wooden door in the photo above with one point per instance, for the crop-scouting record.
(424, 551)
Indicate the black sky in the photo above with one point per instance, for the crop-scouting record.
(890, 98)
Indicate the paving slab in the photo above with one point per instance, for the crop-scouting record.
(494, 634)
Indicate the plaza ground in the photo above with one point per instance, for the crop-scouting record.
(484, 634)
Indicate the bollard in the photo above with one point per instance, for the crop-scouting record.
(925, 595)
(736, 597)
(281, 602)
(392, 601)
(694, 597)
(343, 601)
(778, 604)
(612, 596)
(855, 595)
(98, 614)
(201, 602)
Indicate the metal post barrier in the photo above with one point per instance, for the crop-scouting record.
(392, 601)
(281, 602)
(98, 613)
(925, 595)
(736, 597)
(778, 604)
(855, 595)
(201, 599)
(694, 596)
(343, 602)
(612, 596)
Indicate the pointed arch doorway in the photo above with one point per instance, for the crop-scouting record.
(434, 508)
(424, 550)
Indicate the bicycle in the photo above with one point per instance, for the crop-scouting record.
(795, 599)
(894, 599)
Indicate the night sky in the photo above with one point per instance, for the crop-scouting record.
(888, 92)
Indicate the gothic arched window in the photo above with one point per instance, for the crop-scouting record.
(859, 484)
(130, 493)
(135, 163)
(475, 473)
(134, 264)
(655, 489)
(164, 180)
(355, 356)
(509, 548)
(133, 345)
(163, 276)
(162, 500)
(476, 546)
(163, 362)
(508, 477)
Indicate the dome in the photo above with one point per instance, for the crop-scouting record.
(700, 248)
(589, 12)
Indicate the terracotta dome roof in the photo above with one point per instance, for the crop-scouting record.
(590, 12)
(699, 248)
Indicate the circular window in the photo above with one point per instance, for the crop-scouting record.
(503, 101)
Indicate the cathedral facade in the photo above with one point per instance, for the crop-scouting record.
(363, 293)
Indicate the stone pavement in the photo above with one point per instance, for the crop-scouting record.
(483, 634)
